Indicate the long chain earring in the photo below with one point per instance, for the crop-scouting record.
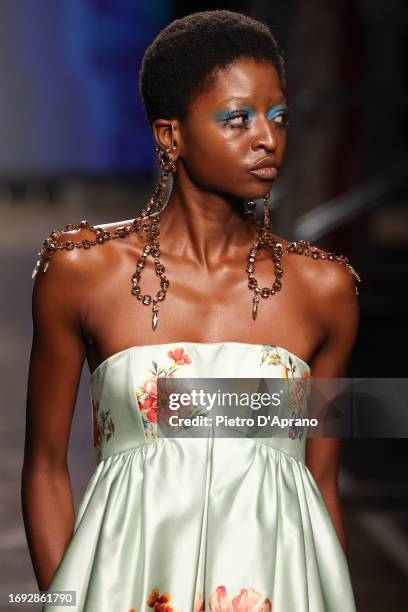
(151, 226)
(264, 240)
(147, 223)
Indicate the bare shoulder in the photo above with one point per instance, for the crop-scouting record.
(329, 275)
(75, 246)
(328, 283)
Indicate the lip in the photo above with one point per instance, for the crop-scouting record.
(267, 173)
(265, 168)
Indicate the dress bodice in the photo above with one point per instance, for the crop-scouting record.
(124, 388)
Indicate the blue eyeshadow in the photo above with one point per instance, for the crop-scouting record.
(276, 110)
(224, 116)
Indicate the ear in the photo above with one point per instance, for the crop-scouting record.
(166, 136)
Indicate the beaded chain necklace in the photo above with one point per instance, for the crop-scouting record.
(148, 224)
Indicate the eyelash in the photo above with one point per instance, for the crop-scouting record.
(234, 114)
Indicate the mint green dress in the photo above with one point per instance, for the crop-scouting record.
(198, 524)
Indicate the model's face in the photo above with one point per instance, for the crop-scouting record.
(240, 121)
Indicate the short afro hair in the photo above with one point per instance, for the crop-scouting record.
(183, 59)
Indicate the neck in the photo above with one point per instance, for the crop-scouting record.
(205, 227)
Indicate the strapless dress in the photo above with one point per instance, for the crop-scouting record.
(202, 523)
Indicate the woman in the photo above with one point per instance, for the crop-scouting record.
(198, 524)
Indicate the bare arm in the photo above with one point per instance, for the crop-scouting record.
(339, 311)
(56, 361)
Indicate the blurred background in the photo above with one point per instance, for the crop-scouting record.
(75, 145)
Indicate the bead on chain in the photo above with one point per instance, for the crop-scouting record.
(148, 224)
(265, 239)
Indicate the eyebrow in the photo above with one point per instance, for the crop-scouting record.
(240, 99)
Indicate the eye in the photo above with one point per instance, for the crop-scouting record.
(281, 118)
(234, 118)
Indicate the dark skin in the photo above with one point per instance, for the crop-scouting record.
(204, 241)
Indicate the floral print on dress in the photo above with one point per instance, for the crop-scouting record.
(298, 385)
(103, 427)
(146, 394)
(247, 600)
(160, 603)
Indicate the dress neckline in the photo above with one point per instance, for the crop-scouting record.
(112, 357)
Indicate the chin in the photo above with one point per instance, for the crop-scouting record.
(249, 192)
(260, 192)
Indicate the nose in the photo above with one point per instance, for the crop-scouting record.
(265, 136)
